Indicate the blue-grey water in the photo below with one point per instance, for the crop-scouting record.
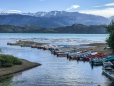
(54, 71)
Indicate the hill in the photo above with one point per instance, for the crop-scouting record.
(75, 28)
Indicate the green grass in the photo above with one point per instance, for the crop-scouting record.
(9, 60)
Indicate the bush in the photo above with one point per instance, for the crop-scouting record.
(110, 40)
(9, 60)
(7, 65)
(16, 61)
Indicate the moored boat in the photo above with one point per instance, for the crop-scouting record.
(63, 54)
(97, 61)
(80, 56)
(109, 73)
(108, 69)
(110, 58)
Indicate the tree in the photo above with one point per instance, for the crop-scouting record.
(110, 27)
(110, 40)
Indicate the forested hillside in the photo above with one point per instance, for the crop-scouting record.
(75, 28)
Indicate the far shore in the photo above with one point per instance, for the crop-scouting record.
(18, 68)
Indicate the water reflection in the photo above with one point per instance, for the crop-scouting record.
(6, 80)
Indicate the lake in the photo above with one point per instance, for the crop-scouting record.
(54, 71)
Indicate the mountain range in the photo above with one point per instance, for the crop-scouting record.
(52, 19)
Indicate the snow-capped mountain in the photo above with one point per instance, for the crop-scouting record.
(68, 18)
(47, 14)
(52, 19)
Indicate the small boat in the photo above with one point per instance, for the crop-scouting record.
(96, 54)
(107, 65)
(58, 51)
(109, 73)
(53, 50)
(97, 61)
(65, 53)
(100, 61)
(108, 69)
(110, 58)
(80, 55)
(73, 53)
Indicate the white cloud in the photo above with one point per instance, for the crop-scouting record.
(73, 7)
(105, 12)
(13, 11)
(109, 4)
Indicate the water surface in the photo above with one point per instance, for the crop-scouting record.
(54, 71)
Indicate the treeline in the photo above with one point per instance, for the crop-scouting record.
(75, 28)
(20, 29)
(83, 29)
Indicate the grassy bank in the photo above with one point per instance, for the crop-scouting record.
(9, 60)
(10, 65)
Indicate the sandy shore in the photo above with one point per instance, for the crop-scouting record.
(98, 47)
(18, 68)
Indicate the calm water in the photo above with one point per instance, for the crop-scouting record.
(54, 71)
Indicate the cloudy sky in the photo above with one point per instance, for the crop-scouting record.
(97, 7)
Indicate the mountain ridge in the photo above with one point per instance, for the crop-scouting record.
(52, 19)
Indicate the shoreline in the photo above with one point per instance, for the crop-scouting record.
(94, 47)
(26, 65)
(98, 47)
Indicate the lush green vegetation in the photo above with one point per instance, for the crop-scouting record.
(75, 28)
(110, 40)
(8, 60)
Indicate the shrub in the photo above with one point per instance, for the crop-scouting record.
(9, 60)
(110, 40)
